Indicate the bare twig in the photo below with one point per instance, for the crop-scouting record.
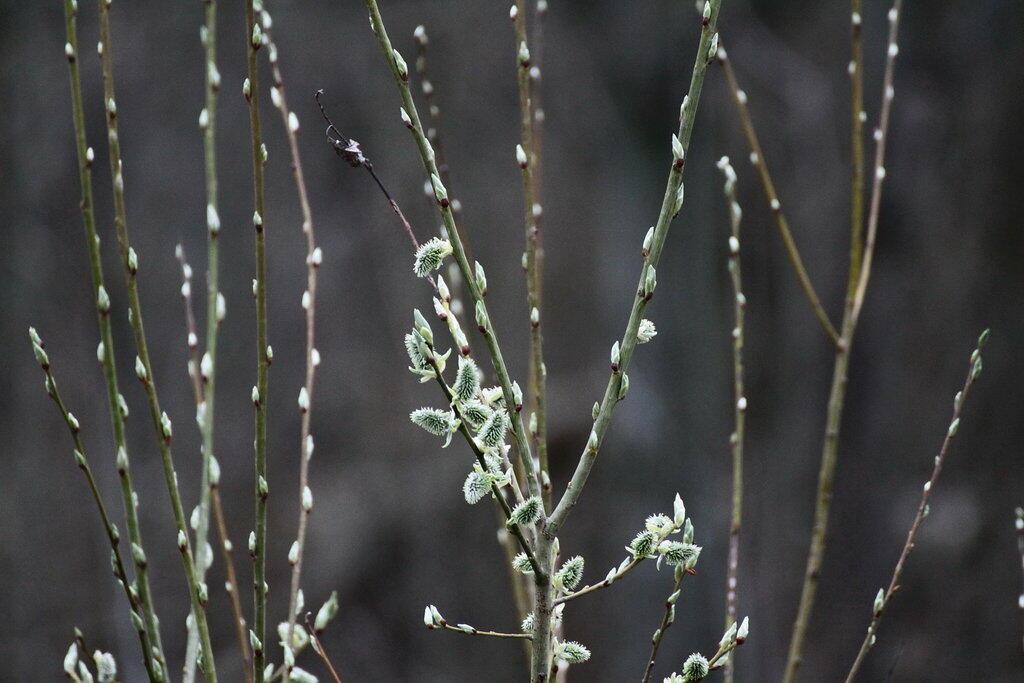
(254, 41)
(757, 159)
(884, 596)
(739, 399)
(1019, 525)
(318, 647)
(532, 257)
(154, 667)
(144, 369)
(214, 306)
(198, 376)
(837, 394)
(116, 403)
(314, 257)
(666, 621)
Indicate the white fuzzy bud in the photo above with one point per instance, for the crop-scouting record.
(212, 219)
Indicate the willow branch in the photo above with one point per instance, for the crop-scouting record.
(254, 41)
(506, 509)
(671, 203)
(353, 153)
(532, 257)
(401, 74)
(468, 630)
(318, 647)
(154, 667)
(739, 399)
(837, 394)
(214, 306)
(144, 370)
(198, 376)
(1019, 526)
(116, 403)
(314, 258)
(884, 596)
(666, 621)
(857, 118)
(757, 159)
(881, 136)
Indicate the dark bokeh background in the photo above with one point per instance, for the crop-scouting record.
(390, 531)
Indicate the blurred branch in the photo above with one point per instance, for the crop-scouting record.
(214, 309)
(318, 647)
(667, 620)
(757, 159)
(884, 596)
(532, 256)
(314, 257)
(851, 314)
(199, 376)
(258, 545)
(739, 398)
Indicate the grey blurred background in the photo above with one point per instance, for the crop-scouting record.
(390, 530)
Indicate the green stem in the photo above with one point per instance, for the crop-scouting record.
(204, 555)
(856, 72)
(154, 667)
(739, 404)
(532, 257)
(253, 40)
(854, 303)
(129, 262)
(115, 400)
(973, 370)
(309, 303)
(666, 621)
(757, 159)
(668, 211)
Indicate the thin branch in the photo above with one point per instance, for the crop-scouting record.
(857, 119)
(468, 630)
(666, 621)
(884, 596)
(231, 584)
(254, 41)
(739, 399)
(314, 257)
(617, 573)
(881, 136)
(757, 159)
(1019, 526)
(318, 647)
(652, 253)
(401, 74)
(214, 306)
(837, 394)
(116, 403)
(434, 111)
(144, 368)
(532, 257)
(198, 378)
(154, 667)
